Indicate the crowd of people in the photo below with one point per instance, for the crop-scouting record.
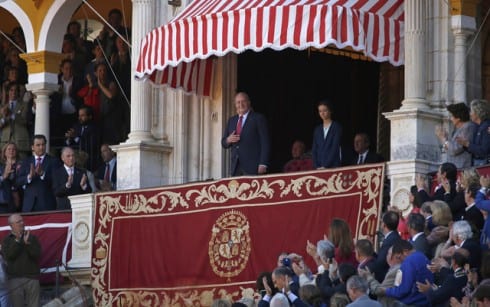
(437, 255)
(452, 271)
(89, 112)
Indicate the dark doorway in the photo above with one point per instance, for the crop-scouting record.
(286, 85)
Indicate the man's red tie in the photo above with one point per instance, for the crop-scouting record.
(239, 125)
(107, 174)
(38, 161)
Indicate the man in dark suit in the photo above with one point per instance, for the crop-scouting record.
(106, 174)
(35, 176)
(65, 102)
(363, 154)
(389, 228)
(453, 279)
(69, 180)
(446, 190)
(84, 136)
(416, 228)
(471, 213)
(247, 135)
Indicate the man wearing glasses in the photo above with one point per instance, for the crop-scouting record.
(22, 252)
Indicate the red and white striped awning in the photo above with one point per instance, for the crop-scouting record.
(178, 53)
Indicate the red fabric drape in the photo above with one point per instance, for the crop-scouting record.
(192, 243)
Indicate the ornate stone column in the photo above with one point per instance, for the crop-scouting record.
(414, 149)
(415, 55)
(43, 67)
(141, 95)
(141, 160)
(463, 25)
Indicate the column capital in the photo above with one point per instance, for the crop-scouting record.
(464, 7)
(42, 88)
(43, 66)
(462, 24)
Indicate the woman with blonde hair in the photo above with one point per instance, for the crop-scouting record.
(341, 237)
(441, 217)
(457, 205)
(9, 193)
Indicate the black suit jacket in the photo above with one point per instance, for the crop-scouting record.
(38, 194)
(475, 252)
(420, 244)
(87, 139)
(100, 173)
(380, 266)
(60, 177)
(371, 157)
(475, 218)
(452, 286)
(253, 149)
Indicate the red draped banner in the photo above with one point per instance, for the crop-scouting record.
(189, 244)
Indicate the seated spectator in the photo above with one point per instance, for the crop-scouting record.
(282, 278)
(265, 286)
(426, 212)
(446, 188)
(280, 300)
(10, 195)
(65, 103)
(363, 154)
(482, 295)
(69, 180)
(322, 253)
(389, 224)
(341, 237)
(463, 128)
(402, 224)
(441, 217)
(462, 236)
(14, 60)
(12, 76)
(452, 283)
(416, 228)
(70, 52)
(84, 136)
(357, 289)
(107, 173)
(484, 205)
(412, 270)
(35, 176)
(300, 161)
(394, 261)
(478, 144)
(107, 36)
(472, 214)
(13, 121)
(98, 58)
(333, 280)
(339, 300)
(365, 254)
(311, 295)
(458, 204)
(83, 46)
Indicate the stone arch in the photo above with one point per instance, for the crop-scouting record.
(24, 22)
(54, 24)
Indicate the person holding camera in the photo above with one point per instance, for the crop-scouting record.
(22, 252)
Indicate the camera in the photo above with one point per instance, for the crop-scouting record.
(286, 262)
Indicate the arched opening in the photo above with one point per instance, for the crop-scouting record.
(285, 86)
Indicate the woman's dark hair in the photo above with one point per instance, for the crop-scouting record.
(416, 201)
(327, 103)
(459, 110)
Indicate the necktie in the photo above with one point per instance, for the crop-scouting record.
(107, 175)
(12, 106)
(361, 159)
(239, 125)
(38, 161)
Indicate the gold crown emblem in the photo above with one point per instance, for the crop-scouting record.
(229, 247)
